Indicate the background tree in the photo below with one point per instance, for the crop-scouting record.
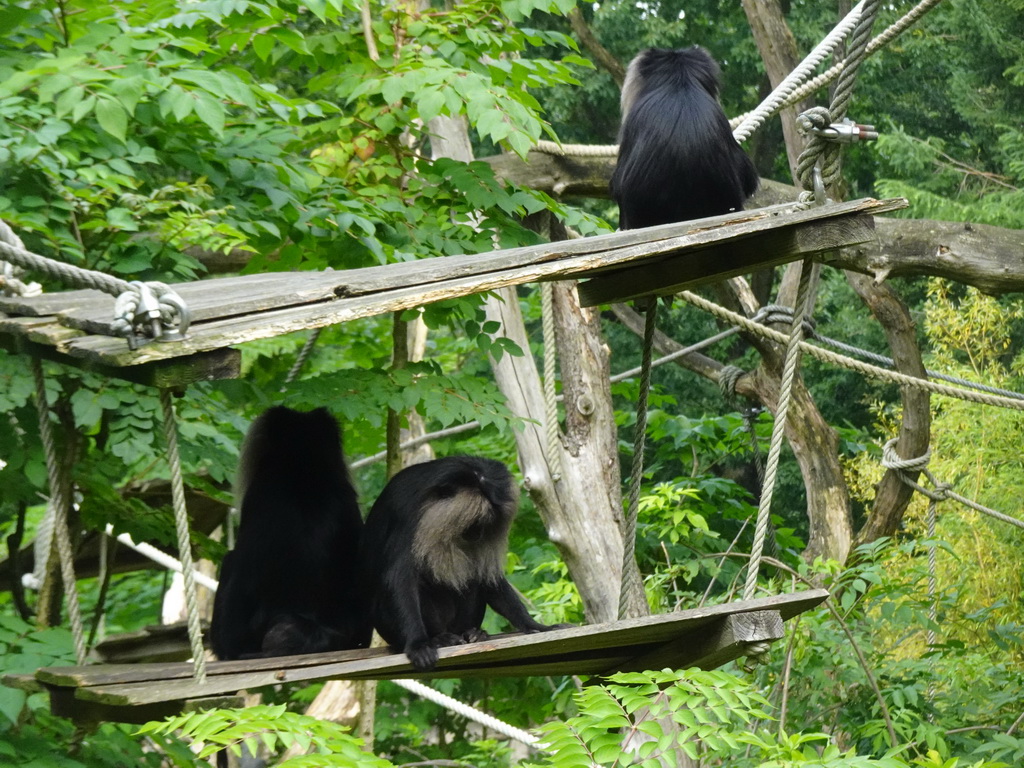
(164, 140)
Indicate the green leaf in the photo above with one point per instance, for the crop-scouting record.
(112, 118)
(211, 112)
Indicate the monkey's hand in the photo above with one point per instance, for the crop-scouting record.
(422, 654)
(474, 635)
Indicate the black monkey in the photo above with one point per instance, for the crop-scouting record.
(434, 551)
(290, 585)
(677, 157)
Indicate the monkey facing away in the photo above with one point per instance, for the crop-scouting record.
(434, 550)
(677, 159)
(290, 585)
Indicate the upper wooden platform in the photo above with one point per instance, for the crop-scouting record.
(705, 637)
(75, 326)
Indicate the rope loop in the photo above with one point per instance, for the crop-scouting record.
(892, 460)
(150, 310)
(780, 314)
(728, 377)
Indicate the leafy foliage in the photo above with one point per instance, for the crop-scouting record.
(270, 728)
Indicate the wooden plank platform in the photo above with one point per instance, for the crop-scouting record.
(75, 325)
(705, 637)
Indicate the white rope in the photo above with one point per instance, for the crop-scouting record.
(469, 712)
(826, 77)
(752, 121)
(162, 558)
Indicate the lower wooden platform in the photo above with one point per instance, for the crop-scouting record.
(703, 637)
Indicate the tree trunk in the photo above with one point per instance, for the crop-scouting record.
(582, 510)
(778, 50)
(893, 495)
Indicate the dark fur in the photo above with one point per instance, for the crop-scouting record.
(434, 551)
(290, 584)
(677, 157)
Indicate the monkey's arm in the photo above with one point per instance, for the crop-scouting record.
(400, 622)
(503, 598)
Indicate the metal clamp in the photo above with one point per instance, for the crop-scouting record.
(846, 132)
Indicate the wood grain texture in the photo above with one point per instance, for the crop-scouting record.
(234, 310)
(705, 637)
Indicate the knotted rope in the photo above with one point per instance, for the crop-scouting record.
(195, 632)
(141, 309)
(822, 148)
(58, 511)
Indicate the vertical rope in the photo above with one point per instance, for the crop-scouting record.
(933, 609)
(195, 632)
(554, 445)
(804, 300)
(60, 511)
(302, 357)
(818, 147)
(632, 584)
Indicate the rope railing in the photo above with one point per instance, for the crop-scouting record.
(834, 358)
(142, 310)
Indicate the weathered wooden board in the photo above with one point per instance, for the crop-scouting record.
(47, 339)
(686, 269)
(705, 637)
(230, 311)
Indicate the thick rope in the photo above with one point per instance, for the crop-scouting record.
(834, 358)
(820, 149)
(150, 308)
(773, 103)
(933, 609)
(939, 491)
(195, 632)
(65, 273)
(826, 77)
(302, 357)
(11, 283)
(554, 443)
(632, 584)
(804, 302)
(60, 509)
(771, 314)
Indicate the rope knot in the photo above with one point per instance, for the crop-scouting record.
(150, 311)
(814, 120)
(892, 460)
(780, 314)
(727, 380)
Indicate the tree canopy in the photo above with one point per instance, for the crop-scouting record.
(174, 140)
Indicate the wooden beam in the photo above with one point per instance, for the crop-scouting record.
(702, 636)
(230, 311)
(730, 639)
(175, 372)
(689, 268)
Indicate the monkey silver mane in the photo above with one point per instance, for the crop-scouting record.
(254, 445)
(631, 86)
(440, 549)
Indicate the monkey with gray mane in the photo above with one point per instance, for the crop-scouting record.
(434, 549)
(290, 585)
(677, 158)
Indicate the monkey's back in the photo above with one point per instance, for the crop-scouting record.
(298, 542)
(677, 157)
